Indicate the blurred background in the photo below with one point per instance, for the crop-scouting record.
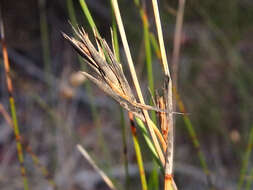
(57, 108)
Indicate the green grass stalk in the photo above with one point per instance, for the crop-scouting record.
(148, 52)
(193, 136)
(155, 46)
(94, 112)
(153, 181)
(245, 163)
(122, 118)
(138, 152)
(28, 149)
(249, 181)
(71, 13)
(88, 15)
(44, 37)
(12, 105)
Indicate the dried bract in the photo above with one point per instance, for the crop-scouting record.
(108, 74)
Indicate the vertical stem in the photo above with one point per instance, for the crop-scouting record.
(122, 118)
(145, 23)
(177, 45)
(125, 149)
(249, 182)
(193, 137)
(44, 37)
(153, 181)
(94, 112)
(28, 149)
(245, 162)
(88, 15)
(168, 180)
(12, 104)
(138, 152)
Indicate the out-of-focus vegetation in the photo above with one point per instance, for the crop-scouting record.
(57, 108)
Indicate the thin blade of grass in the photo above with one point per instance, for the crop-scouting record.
(249, 181)
(160, 38)
(44, 37)
(115, 43)
(12, 104)
(28, 149)
(106, 179)
(88, 15)
(94, 111)
(193, 137)
(155, 45)
(138, 152)
(245, 163)
(153, 181)
(177, 43)
(72, 13)
(148, 53)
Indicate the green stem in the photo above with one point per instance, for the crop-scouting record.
(245, 163)
(18, 143)
(122, 118)
(193, 137)
(148, 52)
(44, 37)
(12, 105)
(138, 153)
(88, 15)
(94, 112)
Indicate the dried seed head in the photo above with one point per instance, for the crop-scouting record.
(108, 74)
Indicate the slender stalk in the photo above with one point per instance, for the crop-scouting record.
(138, 152)
(148, 141)
(155, 45)
(194, 137)
(153, 181)
(135, 80)
(122, 118)
(88, 15)
(28, 149)
(177, 43)
(245, 162)
(145, 23)
(44, 37)
(125, 149)
(106, 179)
(249, 182)
(168, 180)
(12, 105)
(94, 112)
(160, 38)
(71, 13)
